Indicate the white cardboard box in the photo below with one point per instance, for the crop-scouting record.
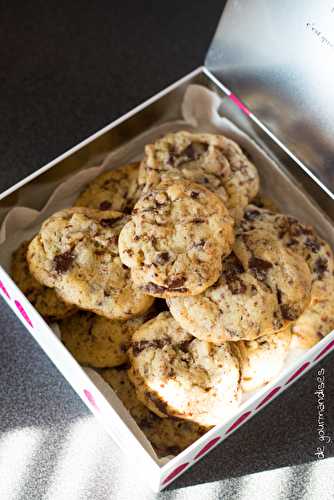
(163, 107)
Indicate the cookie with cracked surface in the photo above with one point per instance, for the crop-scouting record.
(44, 299)
(97, 341)
(76, 253)
(299, 238)
(214, 161)
(178, 375)
(281, 269)
(117, 189)
(176, 238)
(261, 360)
(262, 288)
(318, 319)
(168, 436)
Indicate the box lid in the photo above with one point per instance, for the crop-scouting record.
(278, 58)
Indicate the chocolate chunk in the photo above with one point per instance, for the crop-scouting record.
(237, 286)
(194, 194)
(307, 230)
(259, 268)
(63, 261)
(105, 205)
(320, 267)
(279, 296)
(172, 155)
(161, 405)
(194, 151)
(200, 244)
(282, 233)
(234, 266)
(313, 245)
(152, 288)
(253, 290)
(288, 312)
(107, 222)
(176, 282)
(295, 229)
(189, 152)
(290, 220)
(198, 221)
(138, 347)
(162, 258)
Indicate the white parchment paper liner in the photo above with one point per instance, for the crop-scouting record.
(201, 111)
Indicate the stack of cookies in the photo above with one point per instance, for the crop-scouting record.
(180, 284)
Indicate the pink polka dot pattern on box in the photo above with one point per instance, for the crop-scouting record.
(4, 290)
(298, 372)
(325, 349)
(269, 396)
(207, 447)
(239, 421)
(23, 313)
(175, 472)
(89, 396)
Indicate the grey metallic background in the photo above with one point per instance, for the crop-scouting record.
(64, 73)
(278, 56)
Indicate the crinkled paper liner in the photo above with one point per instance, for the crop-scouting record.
(201, 111)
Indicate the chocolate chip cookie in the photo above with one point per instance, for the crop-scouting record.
(318, 319)
(299, 238)
(261, 360)
(44, 299)
(214, 161)
(176, 238)
(262, 288)
(116, 189)
(178, 375)
(97, 341)
(168, 436)
(76, 253)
